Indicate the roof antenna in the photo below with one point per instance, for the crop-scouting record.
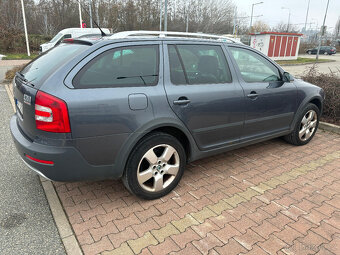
(102, 32)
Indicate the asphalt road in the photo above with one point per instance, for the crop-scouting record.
(322, 67)
(26, 222)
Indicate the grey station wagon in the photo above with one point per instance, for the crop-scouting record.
(139, 105)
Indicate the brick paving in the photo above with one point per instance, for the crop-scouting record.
(268, 198)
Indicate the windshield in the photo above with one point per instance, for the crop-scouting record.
(56, 38)
(44, 65)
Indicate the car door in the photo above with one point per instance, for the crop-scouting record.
(202, 92)
(270, 102)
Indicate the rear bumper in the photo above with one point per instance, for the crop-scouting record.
(68, 163)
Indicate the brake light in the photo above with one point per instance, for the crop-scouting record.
(47, 162)
(68, 40)
(51, 114)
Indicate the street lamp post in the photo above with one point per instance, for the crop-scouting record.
(90, 8)
(25, 28)
(285, 8)
(160, 14)
(321, 34)
(80, 18)
(166, 15)
(306, 16)
(187, 18)
(252, 11)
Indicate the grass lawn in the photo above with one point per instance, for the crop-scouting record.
(301, 61)
(11, 56)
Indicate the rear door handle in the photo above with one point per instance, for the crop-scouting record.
(182, 101)
(253, 95)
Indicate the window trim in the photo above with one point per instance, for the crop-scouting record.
(264, 57)
(121, 47)
(182, 64)
(175, 44)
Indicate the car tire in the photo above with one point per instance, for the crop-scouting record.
(306, 126)
(309, 52)
(155, 166)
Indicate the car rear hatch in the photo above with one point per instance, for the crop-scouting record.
(24, 98)
(28, 83)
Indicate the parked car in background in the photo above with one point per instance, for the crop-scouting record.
(70, 33)
(140, 107)
(326, 50)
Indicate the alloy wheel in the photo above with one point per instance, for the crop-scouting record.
(158, 168)
(308, 125)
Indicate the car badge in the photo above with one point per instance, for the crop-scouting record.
(27, 99)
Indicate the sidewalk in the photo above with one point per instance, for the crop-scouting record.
(268, 198)
(26, 222)
(14, 62)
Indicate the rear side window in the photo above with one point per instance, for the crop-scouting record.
(48, 62)
(254, 67)
(121, 67)
(198, 64)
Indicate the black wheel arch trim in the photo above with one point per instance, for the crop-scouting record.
(149, 127)
(303, 104)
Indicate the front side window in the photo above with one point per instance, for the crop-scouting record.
(254, 67)
(198, 64)
(121, 67)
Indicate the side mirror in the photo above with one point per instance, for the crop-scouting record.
(287, 77)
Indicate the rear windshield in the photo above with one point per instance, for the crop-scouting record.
(40, 68)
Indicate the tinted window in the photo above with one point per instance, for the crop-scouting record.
(46, 63)
(198, 64)
(254, 67)
(121, 67)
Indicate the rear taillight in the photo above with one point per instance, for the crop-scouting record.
(51, 114)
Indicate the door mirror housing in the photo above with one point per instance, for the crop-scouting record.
(287, 77)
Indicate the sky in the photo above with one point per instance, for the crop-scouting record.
(273, 14)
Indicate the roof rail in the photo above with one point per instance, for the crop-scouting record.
(125, 34)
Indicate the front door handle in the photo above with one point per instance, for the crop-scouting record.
(182, 101)
(253, 95)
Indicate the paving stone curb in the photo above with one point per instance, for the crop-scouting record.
(67, 236)
(329, 127)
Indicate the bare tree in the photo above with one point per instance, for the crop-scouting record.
(260, 26)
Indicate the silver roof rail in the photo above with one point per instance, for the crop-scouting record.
(125, 34)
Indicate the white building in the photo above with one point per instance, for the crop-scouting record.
(277, 46)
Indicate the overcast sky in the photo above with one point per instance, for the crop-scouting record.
(273, 14)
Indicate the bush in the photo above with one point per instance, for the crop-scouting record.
(12, 41)
(11, 73)
(305, 46)
(330, 83)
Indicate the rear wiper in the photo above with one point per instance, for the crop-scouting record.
(137, 76)
(22, 77)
